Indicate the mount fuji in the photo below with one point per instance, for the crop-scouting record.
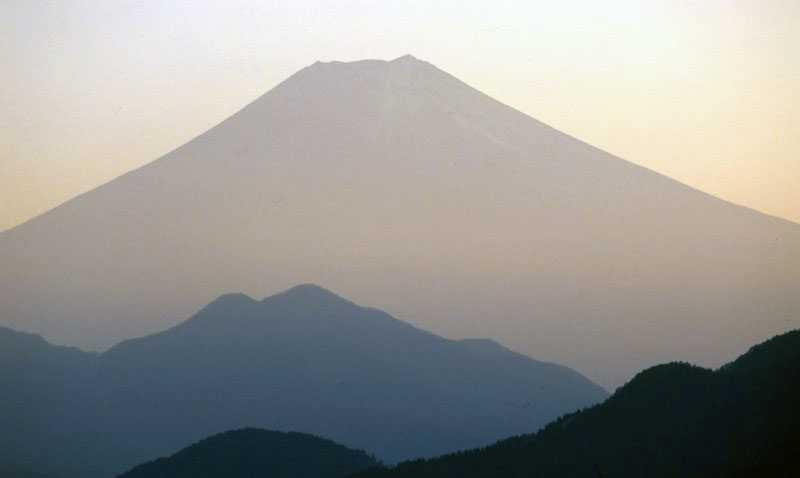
(400, 186)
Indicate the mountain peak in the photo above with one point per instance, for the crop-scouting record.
(307, 288)
(407, 58)
(367, 71)
(308, 294)
(231, 300)
(411, 63)
(226, 305)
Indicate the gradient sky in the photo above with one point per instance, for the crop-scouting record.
(705, 92)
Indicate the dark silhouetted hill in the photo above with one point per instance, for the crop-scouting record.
(670, 420)
(255, 453)
(304, 360)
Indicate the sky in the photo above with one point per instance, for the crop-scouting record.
(705, 92)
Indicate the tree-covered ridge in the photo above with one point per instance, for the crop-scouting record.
(252, 452)
(670, 420)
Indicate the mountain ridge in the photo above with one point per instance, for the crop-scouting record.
(303, 360)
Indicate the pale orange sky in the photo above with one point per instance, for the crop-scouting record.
(705, 92)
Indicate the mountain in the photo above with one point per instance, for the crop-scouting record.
(396, 183)
(670, 420)
(12, 471)
(255, 453)
(304, 360)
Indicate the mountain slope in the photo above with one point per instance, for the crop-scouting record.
(12, 471)
(396, 183)
(304, 360)
(257, 453)
(670, 420)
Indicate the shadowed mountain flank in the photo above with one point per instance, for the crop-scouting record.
(303, 360)
(395, 183)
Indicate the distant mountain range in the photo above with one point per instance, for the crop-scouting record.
(304, 360)
(254, 453)
(670, 420)
(397, 184)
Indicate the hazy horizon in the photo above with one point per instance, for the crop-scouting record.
(699, 93)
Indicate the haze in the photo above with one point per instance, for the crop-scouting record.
(705, 93)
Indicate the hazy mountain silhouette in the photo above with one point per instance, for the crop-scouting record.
(254, 453)
(670, 420)
(397, 184)
(304, 360)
